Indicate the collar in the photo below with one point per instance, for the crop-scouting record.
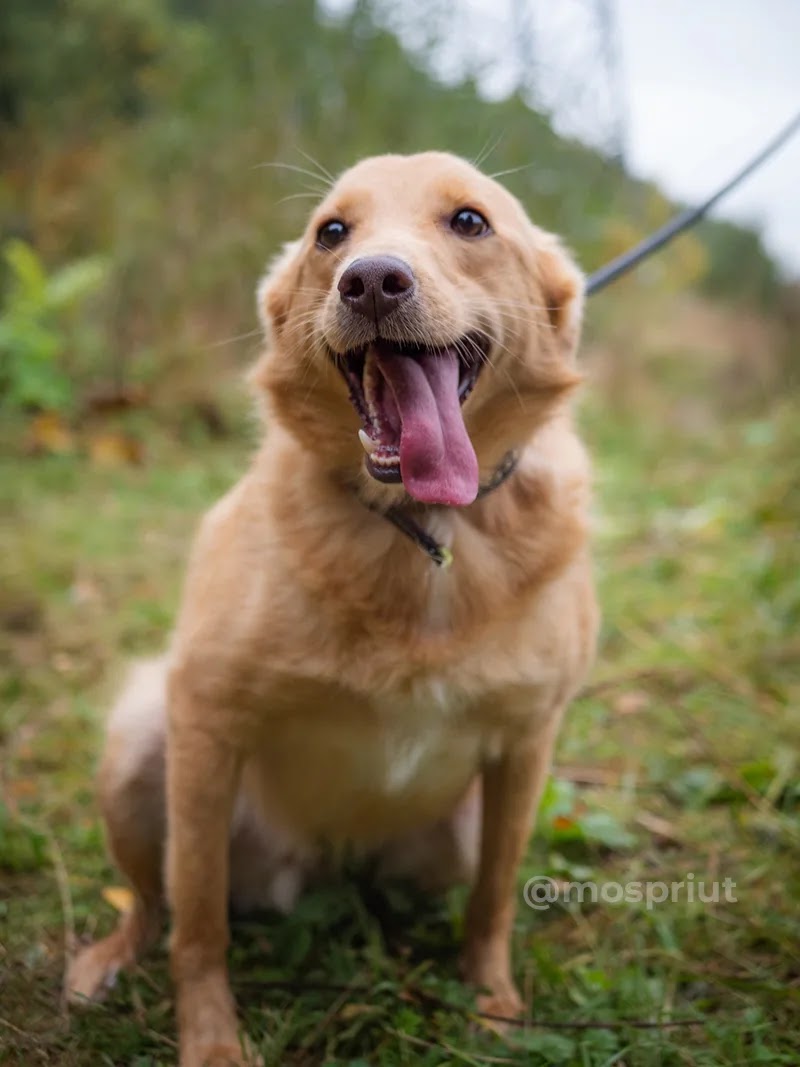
(408, 525)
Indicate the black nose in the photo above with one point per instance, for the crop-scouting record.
(375, 285)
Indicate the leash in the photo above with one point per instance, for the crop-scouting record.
(609, 273)
(596, 281)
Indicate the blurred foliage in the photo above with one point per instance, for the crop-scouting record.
(22, 847)
(140, 131)
(41, 328)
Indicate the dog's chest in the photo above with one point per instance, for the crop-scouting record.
(423, 734)
(421, 741)
(360, 767)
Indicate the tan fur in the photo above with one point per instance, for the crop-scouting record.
(326, 681)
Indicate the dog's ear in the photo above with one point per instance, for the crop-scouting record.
(562, 286)
(277, 288)
(274, 296)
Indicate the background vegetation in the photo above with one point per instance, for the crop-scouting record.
(136, 214)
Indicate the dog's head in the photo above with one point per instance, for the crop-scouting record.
(421, 327)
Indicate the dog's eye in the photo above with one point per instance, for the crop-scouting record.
(332, 233)
(469, 223)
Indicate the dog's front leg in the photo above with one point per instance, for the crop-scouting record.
(202, 777)
(512, 786)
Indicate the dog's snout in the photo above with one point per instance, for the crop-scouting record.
(374, 286)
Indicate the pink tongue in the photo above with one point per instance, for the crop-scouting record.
(437, 460)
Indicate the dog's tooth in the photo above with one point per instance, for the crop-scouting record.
(369, 381)
(382, 460)
(367, 442)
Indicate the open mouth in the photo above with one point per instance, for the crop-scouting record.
(409, 399)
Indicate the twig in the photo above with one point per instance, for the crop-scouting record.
(590, 1024)
(329, 1016)
(16, 1030)
(67, 910)
(678, 674)
(465, 1057)
(604, 777)
(161, 1038)
(64, 894)
(440, 1002)
(731, 772)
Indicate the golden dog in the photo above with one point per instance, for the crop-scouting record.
(384, 620)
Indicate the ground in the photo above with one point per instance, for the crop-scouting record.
(680, 759)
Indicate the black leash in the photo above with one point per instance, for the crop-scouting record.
(682, 221)
(596, 281)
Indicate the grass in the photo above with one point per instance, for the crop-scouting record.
(680, 758)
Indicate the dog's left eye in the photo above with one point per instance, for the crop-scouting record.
(332, 233)
(469, 223)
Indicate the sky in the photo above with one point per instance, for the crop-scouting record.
(705, 83)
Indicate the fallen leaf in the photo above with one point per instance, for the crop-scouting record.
(85, 590)
(631, 702)
(563, 822)
(588, 775)
(63, 662)
(115, 450)
(658, 826)
(352, 1011)
(119, 897)
(48, 433)
(23, 788)
(110, 399)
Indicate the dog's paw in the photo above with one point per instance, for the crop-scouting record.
(219, 1055)
(497, 999)
(502, 1003)
(92, 973)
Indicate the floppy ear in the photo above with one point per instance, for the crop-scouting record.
(277, 288)
(562, 286)
(274, 297)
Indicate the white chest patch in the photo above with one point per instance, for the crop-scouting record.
(404, 757)
(425, 740)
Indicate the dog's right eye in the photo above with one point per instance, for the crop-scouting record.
(332, 233)
(469, 223)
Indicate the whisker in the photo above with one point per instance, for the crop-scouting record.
(509, 377)
(239, 337)
(309, 315)
(489, 362)
(511, 170)
(521, 304)
(336, 255)
(301, 196)
(300, 325)
(298, 170)
(485, 358)
(488, 148)
(508, 307)
(528, 320)
(311, 356)
(309, 289)
(323, 171)
(308, 356)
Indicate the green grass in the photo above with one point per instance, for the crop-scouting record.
(681, 757)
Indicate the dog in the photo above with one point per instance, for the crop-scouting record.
(385, 619)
